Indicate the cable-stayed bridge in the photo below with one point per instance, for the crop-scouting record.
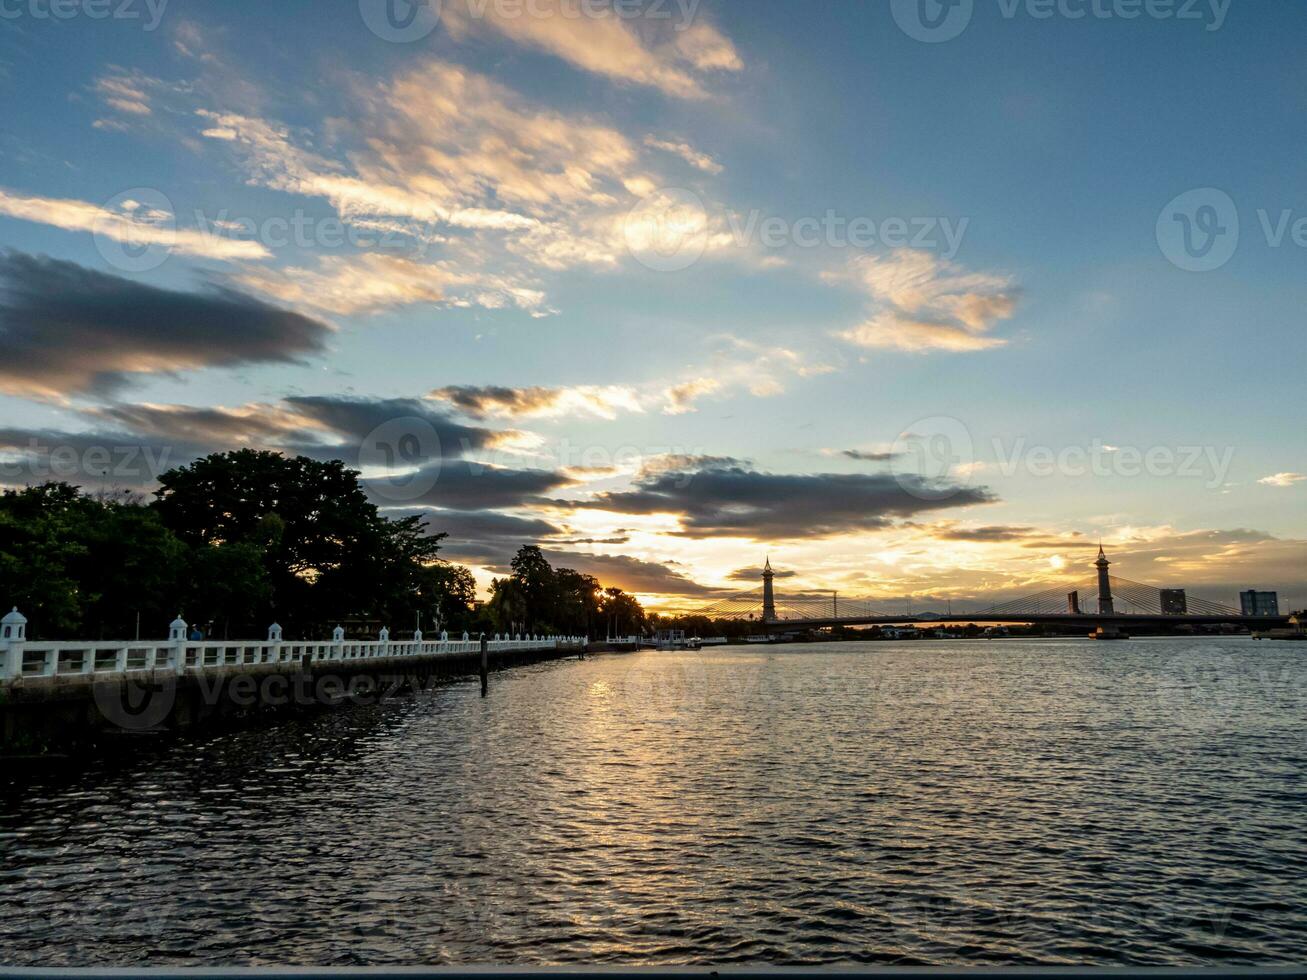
(1103, 601)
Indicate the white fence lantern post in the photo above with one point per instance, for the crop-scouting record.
(417, 636)
(465, 636)
(13, 634)
(274, 641)
(177, 637)
(384, 635)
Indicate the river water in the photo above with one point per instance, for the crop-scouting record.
(941, 802)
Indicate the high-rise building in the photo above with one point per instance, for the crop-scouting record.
(1254, 603)
(1174, 602)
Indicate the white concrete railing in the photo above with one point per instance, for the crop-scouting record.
(23, 659)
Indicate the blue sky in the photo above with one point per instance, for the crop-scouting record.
(574, 266)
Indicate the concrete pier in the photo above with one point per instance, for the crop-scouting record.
(52, 693)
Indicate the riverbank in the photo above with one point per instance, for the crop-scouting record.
(56, 712)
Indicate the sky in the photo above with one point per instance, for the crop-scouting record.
(920, 300)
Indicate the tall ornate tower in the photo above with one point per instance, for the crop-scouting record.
(768, 593)
(1104, 585)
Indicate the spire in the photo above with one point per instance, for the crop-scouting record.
(767, 567)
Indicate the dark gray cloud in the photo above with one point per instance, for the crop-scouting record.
(142, 441)
(461, 484)
(866, 457)
(631, 574)
(66, 329)
(1027, 537)
(735, 500)
(205, 429)
(479, 401)
(481, 537)
(354, 419)
(93, 460)
(992, 534)
(754, 574)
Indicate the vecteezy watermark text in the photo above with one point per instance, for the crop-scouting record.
(1200, 230)
(406, 21)
(935, 21)
(39, 461)
(1099, 459)
(151, 11)
(671, 229)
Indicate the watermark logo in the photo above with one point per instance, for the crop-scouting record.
(137, 231)
(137, 704)
(38, 461)
(1199, 230)
(149, 11)
(933, 458)
(932, 21)
(400, 21)
(667, 231)
(1210, 464)
(400, 459)
(671, 229)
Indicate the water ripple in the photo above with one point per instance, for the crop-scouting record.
(928, 803)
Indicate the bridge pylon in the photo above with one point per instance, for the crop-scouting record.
(768, 593)
(1105, 605)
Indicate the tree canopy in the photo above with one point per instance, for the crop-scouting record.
(538, 598)
(237, 540)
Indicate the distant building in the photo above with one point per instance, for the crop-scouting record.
(1073, 603)
(1174, 602)
(1254, 603)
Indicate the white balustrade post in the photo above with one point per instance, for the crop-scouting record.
(338, 638)
(384, 637)
(177, 637)
(13, 634)
(274, 640)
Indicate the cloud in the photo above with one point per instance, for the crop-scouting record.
(732, 500)
(461, 484)
(898, 332)
(686, 152)
(1282, 479)
(682, 398)
(350, 421)
(451, 164)
(67, 330)
(631, 574)
(132, 223)
(605, 402)
(927, 303)
(126, 92)
(208, 429)
(864, 456)
(444, 144)
(346, 285)
(598, 40)
(753, 573)
(482, 537)
(739, 364)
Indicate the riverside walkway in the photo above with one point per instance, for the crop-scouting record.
(47, 686)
